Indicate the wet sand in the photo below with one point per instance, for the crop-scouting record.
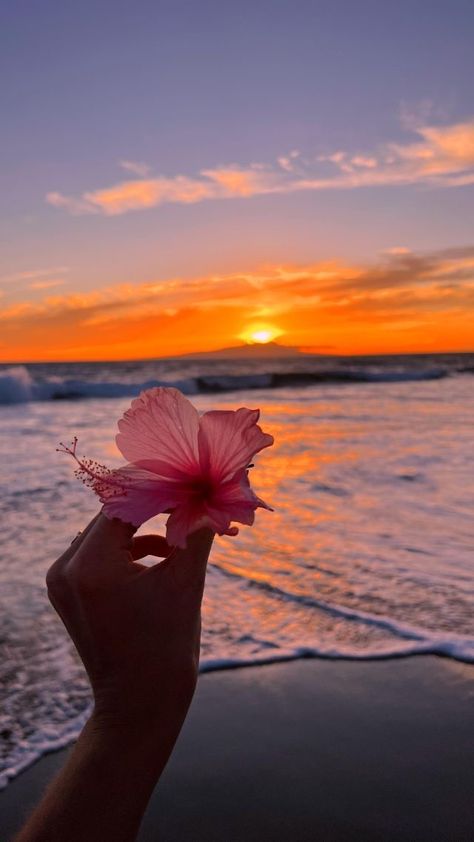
(310, 750)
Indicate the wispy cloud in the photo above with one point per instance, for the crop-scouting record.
(361, 161)
(223, 182)
(77, 207)
(58, 282)
(135, 167)
(414, 301)
(440, 155)
(287, 162)
(397, 250)
(33, 274)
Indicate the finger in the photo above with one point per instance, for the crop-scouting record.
(155, 545)
(77, 541)
(109, 540)
(188, 566)
(114, 531)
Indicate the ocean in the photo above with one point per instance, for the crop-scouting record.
(369, 553)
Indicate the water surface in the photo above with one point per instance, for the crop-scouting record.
(368, 554)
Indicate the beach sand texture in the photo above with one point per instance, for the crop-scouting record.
(310, 750)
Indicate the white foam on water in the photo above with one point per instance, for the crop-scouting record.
(19, 385)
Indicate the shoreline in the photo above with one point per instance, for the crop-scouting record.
(225, 665)
(309, 749)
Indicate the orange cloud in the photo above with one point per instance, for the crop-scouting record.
(144, 193)
(234, 181)
(47, 284)
(405, 302)
(443, 155)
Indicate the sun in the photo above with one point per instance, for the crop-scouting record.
(260, 334)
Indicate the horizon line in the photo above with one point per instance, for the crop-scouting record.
(189, 354)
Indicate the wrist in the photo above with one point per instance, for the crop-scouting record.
(129, 746)
(118, 726)
(141, 733)
(142, 711)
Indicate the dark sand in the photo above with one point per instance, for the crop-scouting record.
(311, 750)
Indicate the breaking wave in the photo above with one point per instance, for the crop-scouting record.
(18, 385)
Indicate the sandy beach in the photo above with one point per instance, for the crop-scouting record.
(310, 750)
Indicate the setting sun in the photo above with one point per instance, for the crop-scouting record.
(261, 334)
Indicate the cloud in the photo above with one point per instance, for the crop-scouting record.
(427, 298)
(285, 163)
(361, 161)
(145, 193)
(32, 274)
(333, 158)
(236, 181)
(289, 162)
(397, 250)
(47, 284)
(74, 206)
(135, 167)
(446, 150)
(222, 182)
(441, 156)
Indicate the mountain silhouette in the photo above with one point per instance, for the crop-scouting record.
(255, 350)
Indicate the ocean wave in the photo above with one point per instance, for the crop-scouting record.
(413, 640)
(17, 384)
(54, 737)
(441, 648)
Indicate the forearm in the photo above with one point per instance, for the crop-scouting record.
(104, 788)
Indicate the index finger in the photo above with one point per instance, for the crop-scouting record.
(76, 542)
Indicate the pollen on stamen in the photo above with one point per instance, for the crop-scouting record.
(104, 481)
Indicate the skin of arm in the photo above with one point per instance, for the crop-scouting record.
(137, 630)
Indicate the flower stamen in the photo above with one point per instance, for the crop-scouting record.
(93, 474)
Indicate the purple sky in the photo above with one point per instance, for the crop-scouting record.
(153, 140)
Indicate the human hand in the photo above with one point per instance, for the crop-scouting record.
(136, 628)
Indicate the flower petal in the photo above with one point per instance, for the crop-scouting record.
(228, 440)
(184, 520)
(140, 496)
(160, 432)
(235, 501)
(219, 520)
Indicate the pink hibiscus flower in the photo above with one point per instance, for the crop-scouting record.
(195, 468)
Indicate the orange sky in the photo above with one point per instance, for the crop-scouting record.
(404, 302)
(175, 180)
